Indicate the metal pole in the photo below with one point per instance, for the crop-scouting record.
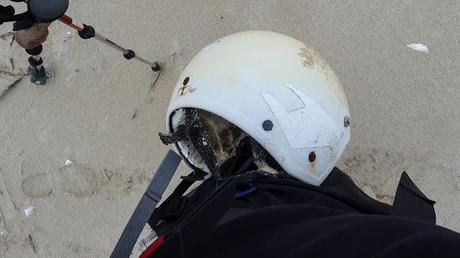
(127, 53)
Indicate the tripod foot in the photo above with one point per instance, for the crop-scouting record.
(156, 67)
(37, 75)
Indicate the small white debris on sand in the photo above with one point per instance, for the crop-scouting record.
(68, 162)
(69, 35)
(28, 211)
(419, 48)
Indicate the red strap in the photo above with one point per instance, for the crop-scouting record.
(158, 242)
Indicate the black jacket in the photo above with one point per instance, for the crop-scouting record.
(254, 215)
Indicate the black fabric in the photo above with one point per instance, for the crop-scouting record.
(166, 218)
(198, 224)
(247, 213)
(320, 231)
(287, 218)
(411, 202)
(174, 206)
(341, 187)
(21, 21)
(241, 162)
(6, 13)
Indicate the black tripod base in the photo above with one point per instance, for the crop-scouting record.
(156, 67)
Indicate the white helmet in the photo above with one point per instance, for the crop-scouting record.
(275, 89)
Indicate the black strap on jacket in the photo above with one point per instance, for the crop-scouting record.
(146, 206)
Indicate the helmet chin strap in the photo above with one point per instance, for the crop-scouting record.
(193, 129)
(202, 143)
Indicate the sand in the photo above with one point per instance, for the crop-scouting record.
(98, 111)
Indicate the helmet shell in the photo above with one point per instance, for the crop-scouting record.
(276, 89)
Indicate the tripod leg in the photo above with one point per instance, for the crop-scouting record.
(36, 70)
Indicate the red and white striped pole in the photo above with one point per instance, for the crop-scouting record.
(86, 32)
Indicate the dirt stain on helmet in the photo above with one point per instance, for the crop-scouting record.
(313, 60)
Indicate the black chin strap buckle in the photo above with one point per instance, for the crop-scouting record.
(180, 134)
(197, 175)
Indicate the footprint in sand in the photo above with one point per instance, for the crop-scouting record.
(82, 181)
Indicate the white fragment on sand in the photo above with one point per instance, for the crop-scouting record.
(28, 211)
(69, 35)
(419, 48)
(68, 162)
